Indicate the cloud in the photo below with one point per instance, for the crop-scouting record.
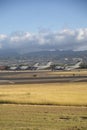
(2, 36)
(66, 39)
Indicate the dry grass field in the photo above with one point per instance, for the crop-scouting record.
(67, 94)
(36, 117)
(49, 106)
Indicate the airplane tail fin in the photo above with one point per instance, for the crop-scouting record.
(49, 63)
(79, 63)
(36, 65)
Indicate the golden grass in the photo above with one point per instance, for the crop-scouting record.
(42, 117)
(51, 94)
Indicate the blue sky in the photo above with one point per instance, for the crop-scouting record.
(35, 25)
(32, 15)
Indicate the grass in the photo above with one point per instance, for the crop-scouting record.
(57, 106)
(26, 117)
(65, 94)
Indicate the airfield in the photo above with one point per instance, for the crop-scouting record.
(42, 76)
(43, 100)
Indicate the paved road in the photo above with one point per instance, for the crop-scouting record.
(13, 79)
(42, 80)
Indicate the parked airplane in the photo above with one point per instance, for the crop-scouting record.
(58, 68)
(34, 67)
(13, 68)
(76, 66)
(24, 67)
(42, 67)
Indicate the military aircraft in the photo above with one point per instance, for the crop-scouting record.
(76, 66)
(42, 67)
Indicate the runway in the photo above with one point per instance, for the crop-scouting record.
(33, 77)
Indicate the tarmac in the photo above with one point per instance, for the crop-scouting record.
(35, 77)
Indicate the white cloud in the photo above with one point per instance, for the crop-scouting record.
(21, 37)
(82, 34)
(66, 39)
(2, 36)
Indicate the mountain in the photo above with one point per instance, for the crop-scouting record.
(44, 56)
(8, 53)
(57, 55)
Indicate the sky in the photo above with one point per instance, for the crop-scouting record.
(32, 25)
